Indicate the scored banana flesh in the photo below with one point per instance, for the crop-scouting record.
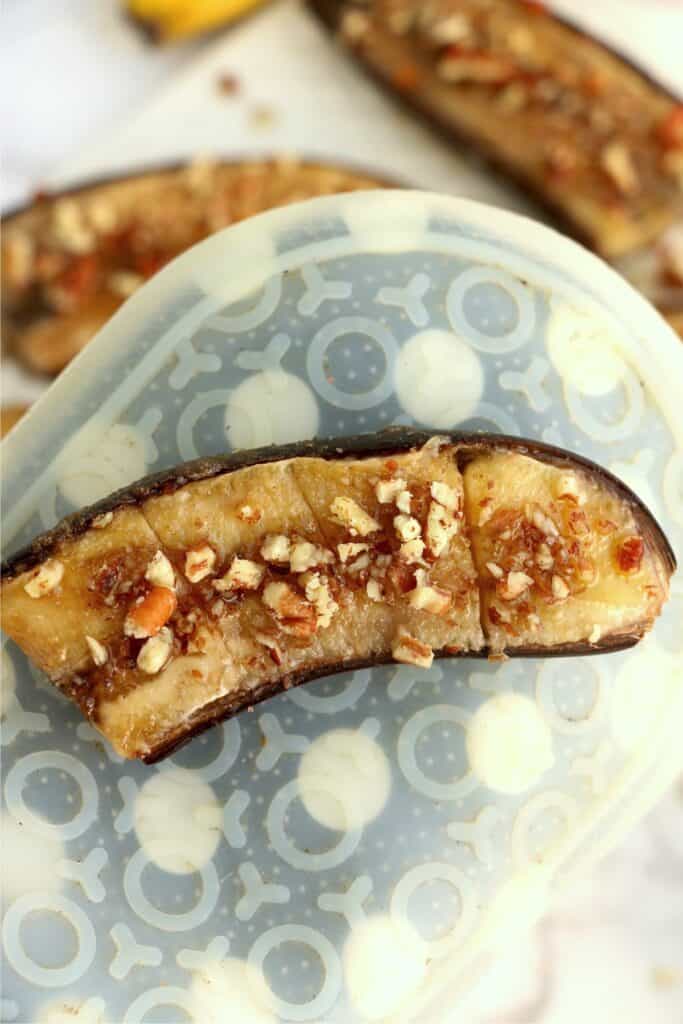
(172, 20)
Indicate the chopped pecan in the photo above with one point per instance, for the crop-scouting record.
(348, 513)
(444, 495)
(318, 593)
(427, 597)
(45, 578)
(407, 527)
(155, 652)
(305, 555)
(408, 649)
(351, 550)
(389, 490)
(97, 650)
(411, 551)
(276, 548)
(514, 585)
(617, 163)
(160, 572)
(293, 612)
(272, 646)
(199, 563)
(441, 526)
(243, 574)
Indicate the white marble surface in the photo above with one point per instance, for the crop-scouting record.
(83, 95)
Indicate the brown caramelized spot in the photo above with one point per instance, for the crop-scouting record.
(630, 554)
(538, 563)
(406, 77)
(401, 576)
(107, 578)
(670, 130)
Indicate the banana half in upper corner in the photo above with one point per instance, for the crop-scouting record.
(167, 21)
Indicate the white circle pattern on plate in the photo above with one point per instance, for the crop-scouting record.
(367, 314)
(301, 934)
(66, 911)
(16, 781)
(147, 911)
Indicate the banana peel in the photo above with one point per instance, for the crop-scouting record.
(170, 21)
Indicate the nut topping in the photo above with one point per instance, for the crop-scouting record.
(373, 590)
(243, 574)
(69, 228)
(155, 652)
(317, 590)
(411, 651)
(412, 551)
(403, 502)
(454, 28)
(45, 578)
(559, 588)
(305, 556)
(354, 25)
(347, 512)
(276, 548)
(515, 584)
(495, 570)
(407, 527)
(617, 163)
(199, 563)
(389, 490)
(124, 283)
(441, 526)
(359, 564)
(544, 523)
(544, 559)
(347, 551)
(294, 613)
(444, 494)
(19, 253)
(272, 645)
(160, 572)
(150, 613)
(97, 650)
(428, 598)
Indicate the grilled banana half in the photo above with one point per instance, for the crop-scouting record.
(195, 594)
